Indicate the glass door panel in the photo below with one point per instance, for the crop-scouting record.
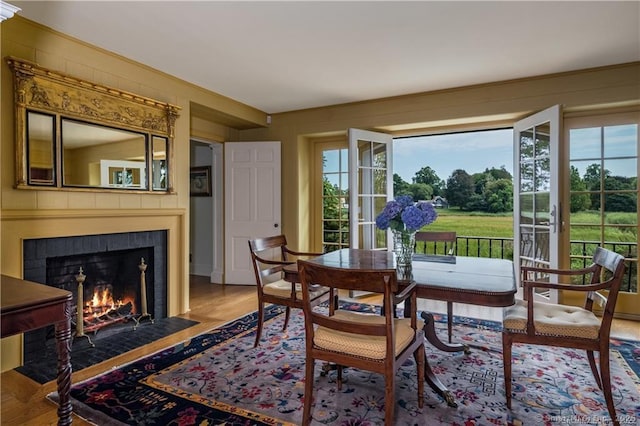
(536, 211)
(371, 178)
(335, 199)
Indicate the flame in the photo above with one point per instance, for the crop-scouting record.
(102, 302)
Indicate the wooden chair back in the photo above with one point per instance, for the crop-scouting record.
(605, 273)
(608, 273)
(269, 256)
(446, 238)
(384, 282)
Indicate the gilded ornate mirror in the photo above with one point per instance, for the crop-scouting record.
(73, 134)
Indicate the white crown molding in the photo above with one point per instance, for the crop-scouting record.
(7, 10)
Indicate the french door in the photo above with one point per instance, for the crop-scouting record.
(537, 210)
(370, 186)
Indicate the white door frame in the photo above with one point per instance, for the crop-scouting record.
(217, 205)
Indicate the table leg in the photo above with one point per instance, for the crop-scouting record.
(430, 332)
(437, 385)
(429, 376)
(432, 337)
(63, 347)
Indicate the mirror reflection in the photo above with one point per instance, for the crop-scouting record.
(159, 163)
(40, 137)
(101, 156)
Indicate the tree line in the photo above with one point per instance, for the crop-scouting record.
(623, 197)
(490, 191)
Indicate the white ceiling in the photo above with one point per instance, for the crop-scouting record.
(283, 56)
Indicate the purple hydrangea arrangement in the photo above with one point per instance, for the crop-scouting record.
(403, 215)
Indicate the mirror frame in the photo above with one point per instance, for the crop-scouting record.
(42, 90)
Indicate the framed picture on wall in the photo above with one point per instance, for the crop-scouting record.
(200, 181)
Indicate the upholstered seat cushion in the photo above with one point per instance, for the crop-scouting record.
(282, 288)
(365, 346)
(552, 319)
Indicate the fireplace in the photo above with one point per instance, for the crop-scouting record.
(107, 267)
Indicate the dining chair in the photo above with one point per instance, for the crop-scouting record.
(269, 255)
(377, 343)
(448, 240)
(541, 323)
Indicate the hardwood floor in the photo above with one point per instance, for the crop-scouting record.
(24, 401)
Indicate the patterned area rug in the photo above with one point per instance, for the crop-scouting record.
(218, 378)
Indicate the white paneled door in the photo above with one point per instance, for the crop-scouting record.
(252, 203)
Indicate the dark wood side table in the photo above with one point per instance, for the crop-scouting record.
(25, 306)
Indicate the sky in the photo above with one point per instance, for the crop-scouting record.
(471, 151)
(612, 142)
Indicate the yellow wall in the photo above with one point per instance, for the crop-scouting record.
(494, 105)
(48, 213)
(207, 115)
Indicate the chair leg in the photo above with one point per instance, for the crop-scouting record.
(308, 391)
(419, 355)
(594, 369)
(260, 321)
(287, 314)
(449, 318)
(339, 379)
(506, 362)
(389, 397)
(605, 375)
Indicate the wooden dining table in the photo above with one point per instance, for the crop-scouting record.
(460, 279)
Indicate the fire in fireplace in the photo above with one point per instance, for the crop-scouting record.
(109, 293)
(102, 305)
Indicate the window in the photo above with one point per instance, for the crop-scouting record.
(603, 161)
(335, 199)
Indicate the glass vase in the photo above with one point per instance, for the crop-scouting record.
(404, 244)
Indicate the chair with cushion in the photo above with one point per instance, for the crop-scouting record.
(448, 240)
(269, 256)
(540, 323)
(377, 343)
